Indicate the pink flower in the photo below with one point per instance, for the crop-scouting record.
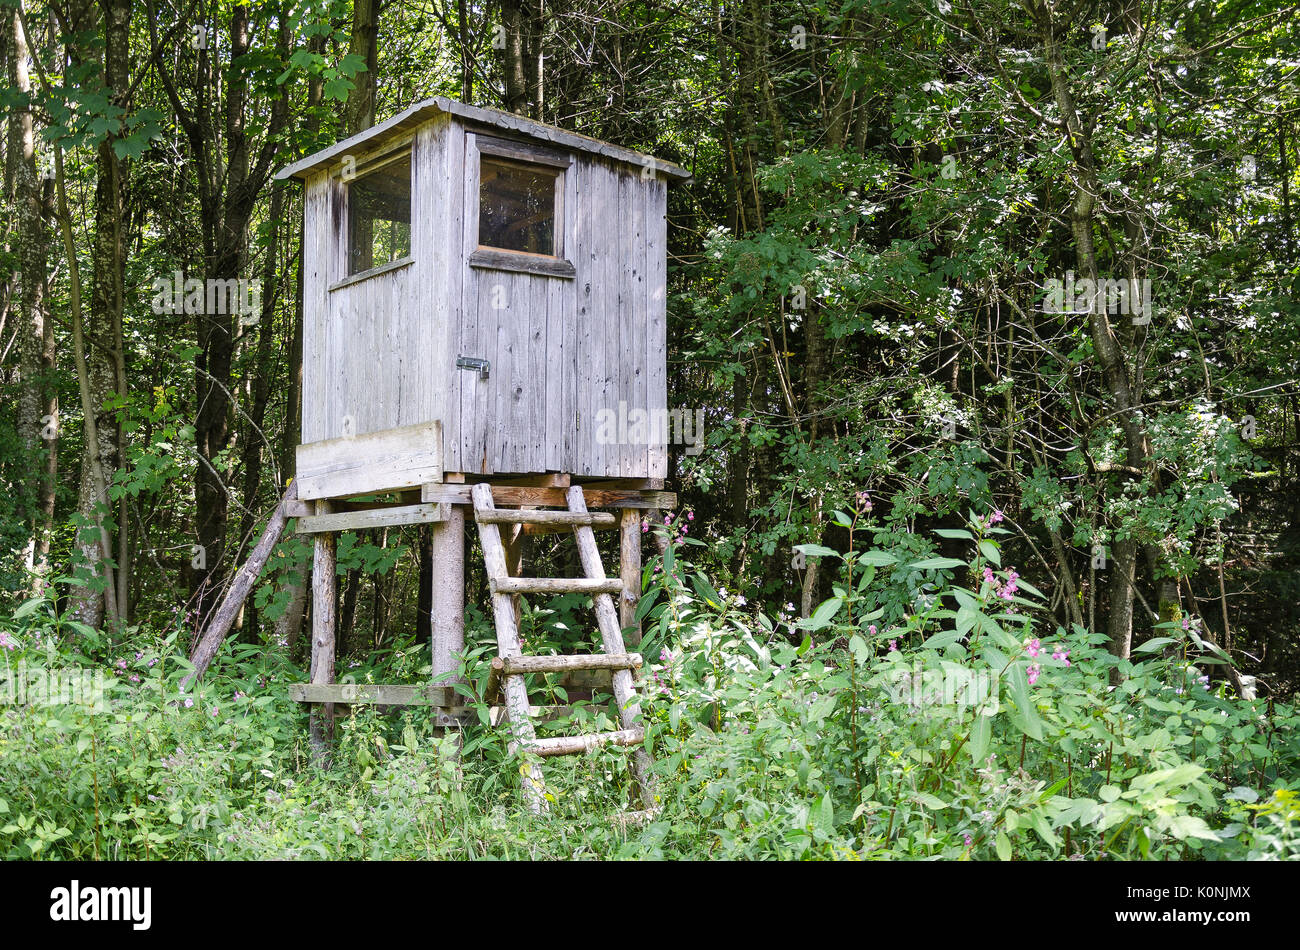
(189, 703)
(966, 838)
(690, 516)
(6, 641)
(996, 516)
(645, 526)
(893, 646)
(1061, 654)
(1033, 673)
(1034, 647)
(872, 629)
(989, 578)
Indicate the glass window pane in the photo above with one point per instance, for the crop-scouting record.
(516, 207)
(379, 217)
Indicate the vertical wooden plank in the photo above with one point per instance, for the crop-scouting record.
(569, 291)
(601, 220)
(638, 353)
(537, 389)
(613, 271)
(657, 338)
(472, 415)
(315, 222)
(584, 318)
(322, 637)
(453, 274)
(338, 323)
(558, 377)
(507, 349)
(403, 337)
(442, 266)
(629, 246)
(423, 313)
(615, 261)
(629, 568)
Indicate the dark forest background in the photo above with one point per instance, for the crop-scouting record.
(882, 192)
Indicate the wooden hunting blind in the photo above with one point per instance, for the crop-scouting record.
(478, 291)
(496, 276)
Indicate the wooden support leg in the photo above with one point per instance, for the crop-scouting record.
(513, 539)
(448, 621)
(630, 573)
(322, 638)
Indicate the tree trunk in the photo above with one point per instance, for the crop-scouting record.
(514, 69)
(359, 111)
(38, 424)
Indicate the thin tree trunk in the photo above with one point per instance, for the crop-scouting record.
(38, 405)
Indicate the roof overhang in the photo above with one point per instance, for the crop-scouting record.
(423, 111)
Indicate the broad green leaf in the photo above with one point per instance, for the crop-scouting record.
(936, 564)
(1025, 714)
(991, 553)
(981, 733)
(1003, 846)
(816, 550)
(824, 614)
(1154, 644)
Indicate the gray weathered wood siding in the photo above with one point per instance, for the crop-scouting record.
(382, 351)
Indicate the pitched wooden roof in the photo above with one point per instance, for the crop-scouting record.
(423, 111)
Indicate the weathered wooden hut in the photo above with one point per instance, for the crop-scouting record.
(479, 290)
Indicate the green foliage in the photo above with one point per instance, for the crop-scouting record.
(960, 729)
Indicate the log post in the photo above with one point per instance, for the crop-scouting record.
(448, 612)
(224, 619)
(630, 573)
(322, 637)
(513, 539)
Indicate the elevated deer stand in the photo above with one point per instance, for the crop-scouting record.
(484, 331)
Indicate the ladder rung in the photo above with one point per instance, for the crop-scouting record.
(509, 516)
(518, 665)
(553, 585)
(571, 745)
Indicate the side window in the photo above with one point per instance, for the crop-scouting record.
(379, 216)
(518, 207)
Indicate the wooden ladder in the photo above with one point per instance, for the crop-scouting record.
(511, 665)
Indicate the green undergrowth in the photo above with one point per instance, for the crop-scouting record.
(926, 710)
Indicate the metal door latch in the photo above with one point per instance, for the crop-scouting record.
(474, 362)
